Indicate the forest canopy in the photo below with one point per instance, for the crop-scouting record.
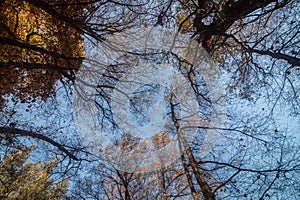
(75, 74)
(36, 50)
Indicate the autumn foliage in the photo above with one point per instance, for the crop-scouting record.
(36, 49)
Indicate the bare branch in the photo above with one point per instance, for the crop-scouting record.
(11, 131)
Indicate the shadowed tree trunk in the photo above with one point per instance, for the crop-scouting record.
(205, 189)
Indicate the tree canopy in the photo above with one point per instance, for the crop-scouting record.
(54, 52)
(36, 50)
(23, 179)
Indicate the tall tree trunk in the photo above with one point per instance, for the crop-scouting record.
(206, 190)
(188, 175)
(163, 182)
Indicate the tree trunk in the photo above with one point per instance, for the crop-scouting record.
(206, 190)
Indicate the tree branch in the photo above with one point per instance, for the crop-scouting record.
(230, 12)
(11, 131)
(25, 65)
(82, 28)
(290, 59)
(18, 43)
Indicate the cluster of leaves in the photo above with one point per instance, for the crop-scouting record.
(22, 179)
(35, 49)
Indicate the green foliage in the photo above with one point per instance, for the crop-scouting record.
(22, 179)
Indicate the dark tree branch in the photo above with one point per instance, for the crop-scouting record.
(80, 27)
(230, 12)
(290, 59)
(11, 131)
(25, 65)
(241, 169)
(18, 43)
(227, 181)
(294, 61)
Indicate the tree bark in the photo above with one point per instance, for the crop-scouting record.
(187, 174)
(206, 190)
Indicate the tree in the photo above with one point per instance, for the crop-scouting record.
(254, 44)
(248, 150)
(112, 181)
(22, 179)
(36, 50)
(225, 29)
